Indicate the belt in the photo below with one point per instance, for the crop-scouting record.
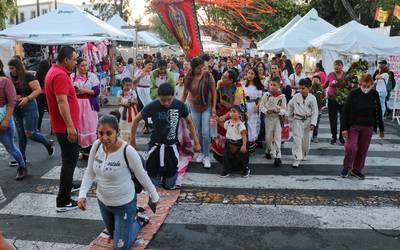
(143, 86)
(301, 117)
(162, 151)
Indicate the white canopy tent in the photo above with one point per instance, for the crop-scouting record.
(6, 50)
(279, 32)
(144, 37)
(355, 38)
(297, 39)
(69, 23)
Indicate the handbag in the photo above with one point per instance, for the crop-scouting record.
(3, 112)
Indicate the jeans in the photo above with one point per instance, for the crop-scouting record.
(356, 147)
(167, 182)
(382, 98)
(69, 157)
(42, 106)
(26, 119)
(333, 109)
(7, 139)
(315, 131)
(202, 122)
(121, 224)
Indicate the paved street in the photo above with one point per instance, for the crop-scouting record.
(276, 208)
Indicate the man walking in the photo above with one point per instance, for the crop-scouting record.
(64, 117)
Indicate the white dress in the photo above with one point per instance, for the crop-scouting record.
(143, 88)
(253, 121)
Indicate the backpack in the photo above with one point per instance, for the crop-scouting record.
(138, 185)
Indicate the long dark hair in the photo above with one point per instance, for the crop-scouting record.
(289, 67)
(2, 69)
(78, 62)
(263, 64)
(256, 80)
(44, 67)
(20, 77)
(319, 65)
(194, 63)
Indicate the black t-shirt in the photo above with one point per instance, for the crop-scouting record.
(22, 88)
(165, 120)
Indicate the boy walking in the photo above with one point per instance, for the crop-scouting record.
(165, 113)
(303, 112)
(273, 105)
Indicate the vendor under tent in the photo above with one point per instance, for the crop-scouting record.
(279, 32)
(145, 37)
(355, 38)
(297, 38)
(68, 22)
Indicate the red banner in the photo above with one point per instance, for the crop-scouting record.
(181, 20)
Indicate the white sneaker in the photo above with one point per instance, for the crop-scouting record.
(206, 162)
(199, 158)
(305, 158)
(296, 164)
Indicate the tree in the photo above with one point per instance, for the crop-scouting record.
(108, 8)
(338, 13)
(157, 26)
(7, 9)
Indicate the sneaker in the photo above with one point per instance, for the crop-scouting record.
(71, 206)
(357, 174)
(21, 173)
(315, 140)
(246, 173)
(305, 158)
(15, 164)
(296, 164)
(333, 141)
(142, 218)
(224, 174)
(277, 162)
(268, 156)
(206, 162)
(341, 141)
(51, 148)
(75, 187)
(199, 158)
(344, 173)
(2, 197)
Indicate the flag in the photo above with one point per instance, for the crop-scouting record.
(180, 18)
(381, 15)
(396, 11)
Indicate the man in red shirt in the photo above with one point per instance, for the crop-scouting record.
(64, 117)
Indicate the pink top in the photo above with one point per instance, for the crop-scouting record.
(332, 82)
(322, 76)
(7, 92)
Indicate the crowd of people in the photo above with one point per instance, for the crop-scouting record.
(230, 107)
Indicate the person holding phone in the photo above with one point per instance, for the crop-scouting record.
(64, 118)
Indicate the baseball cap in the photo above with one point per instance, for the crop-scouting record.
(383, 62)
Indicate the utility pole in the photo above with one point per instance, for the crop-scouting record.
(137, 23)
(55, 4)
(37, 8)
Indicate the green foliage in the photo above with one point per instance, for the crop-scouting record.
(334, 12)
(157, 26)
(7, 9)
(108, 8)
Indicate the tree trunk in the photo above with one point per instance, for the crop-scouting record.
(350, 10)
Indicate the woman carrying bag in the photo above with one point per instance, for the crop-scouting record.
(112, 163)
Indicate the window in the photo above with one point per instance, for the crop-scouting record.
(33, 14)
(21, 17)
(44, 11)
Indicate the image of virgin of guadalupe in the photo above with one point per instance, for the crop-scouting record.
(178, 20)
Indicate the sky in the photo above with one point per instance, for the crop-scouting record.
(138, 6)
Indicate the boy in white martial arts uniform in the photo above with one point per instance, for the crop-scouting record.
(303, 113)
(273, 105)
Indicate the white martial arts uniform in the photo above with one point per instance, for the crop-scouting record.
(273, 127)
(303, 112)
